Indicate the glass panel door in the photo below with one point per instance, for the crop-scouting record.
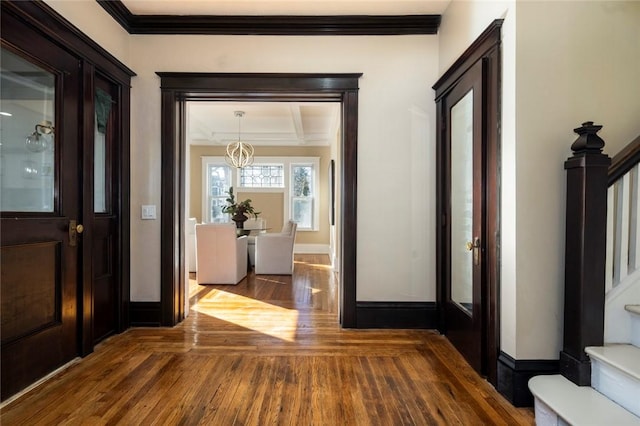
(463, 303)
(40, 199)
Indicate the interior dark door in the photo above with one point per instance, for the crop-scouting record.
(39, 203)
(464, 308)
(104, 237)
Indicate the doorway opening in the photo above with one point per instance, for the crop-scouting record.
(293, 145)
(179, 88)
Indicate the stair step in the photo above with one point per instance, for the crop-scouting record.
(634, 310)
(559, 401)
(615, 372)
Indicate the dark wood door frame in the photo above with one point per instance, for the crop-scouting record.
(176, 88)
(486, 49)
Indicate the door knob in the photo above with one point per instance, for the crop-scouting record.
(475, 246)
(472, 245)
(74, 229)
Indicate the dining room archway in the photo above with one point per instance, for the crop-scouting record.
(176, 90)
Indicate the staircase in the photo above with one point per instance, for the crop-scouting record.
(614, 395)
(613, 398)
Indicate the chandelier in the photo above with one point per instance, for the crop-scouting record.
(239, 154)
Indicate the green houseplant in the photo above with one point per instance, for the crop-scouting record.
(239, 209)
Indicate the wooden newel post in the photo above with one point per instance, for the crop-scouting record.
(585, 252)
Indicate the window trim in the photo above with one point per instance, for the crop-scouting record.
(288, 163)
(204, 196)
(314, 163)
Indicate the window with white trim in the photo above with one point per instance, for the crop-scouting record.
(302, 192)
(295, 177)
(218, 178)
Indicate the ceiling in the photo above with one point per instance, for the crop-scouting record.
(286, 7)
(263, 123)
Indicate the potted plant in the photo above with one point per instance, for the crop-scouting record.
(239, 210)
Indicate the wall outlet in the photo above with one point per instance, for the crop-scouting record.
(148, 212)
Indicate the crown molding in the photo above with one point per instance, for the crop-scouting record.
(271, 24)
(119, 12)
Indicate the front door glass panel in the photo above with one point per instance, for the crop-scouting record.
(27, 136)
(462, 203)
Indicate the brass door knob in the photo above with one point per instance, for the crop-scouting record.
(475, 247)
(74, 229)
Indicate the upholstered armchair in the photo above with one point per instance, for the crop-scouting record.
(221, 254)
(274, 252)
(256, 226)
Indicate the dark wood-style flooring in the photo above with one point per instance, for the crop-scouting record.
(268, 351)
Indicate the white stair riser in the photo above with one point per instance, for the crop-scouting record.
(618, 321)
(635, 329)
(616, 385)
(545, 416)
(558, 401)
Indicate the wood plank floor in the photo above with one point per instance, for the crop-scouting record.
(268, 351)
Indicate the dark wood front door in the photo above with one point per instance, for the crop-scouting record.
(463, 295)
(40, 207)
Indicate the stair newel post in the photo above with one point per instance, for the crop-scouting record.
(585, 252)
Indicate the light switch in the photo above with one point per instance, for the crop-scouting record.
(148, 212)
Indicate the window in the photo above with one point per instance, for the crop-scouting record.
(262, 176)
(295, 177)
(302, 195)
(218, 181)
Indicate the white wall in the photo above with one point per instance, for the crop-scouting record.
(563, 63)
(566, 74)
(396, 260)
(94, 21)
(463, 22)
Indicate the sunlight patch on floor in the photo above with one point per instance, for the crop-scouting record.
(285, 279)
(315, 265)
(265, 318)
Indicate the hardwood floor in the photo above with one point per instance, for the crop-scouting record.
(268, 351)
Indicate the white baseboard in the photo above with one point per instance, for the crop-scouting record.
(311, 249)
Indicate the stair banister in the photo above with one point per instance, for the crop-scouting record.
(623, 218)
(624, 161)
(585, 252)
